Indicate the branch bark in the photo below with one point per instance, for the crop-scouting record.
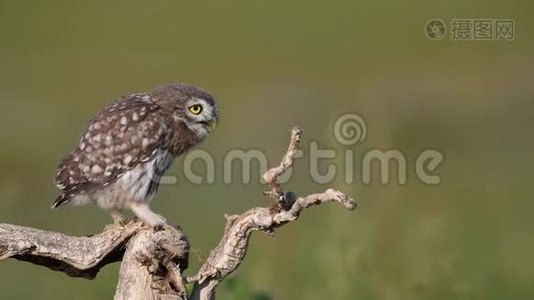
(75, 256)
(153, 261)
(150, 258)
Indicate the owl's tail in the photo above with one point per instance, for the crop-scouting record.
(61, 199)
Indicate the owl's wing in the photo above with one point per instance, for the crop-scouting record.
(125, 133)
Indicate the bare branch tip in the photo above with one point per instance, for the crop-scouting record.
(297, 130)
(341, 197)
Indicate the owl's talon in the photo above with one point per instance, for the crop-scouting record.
(124, 222)
(169, 228)
(156, 221)
(143, 212)
(158, 228)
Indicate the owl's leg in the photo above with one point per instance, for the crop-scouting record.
(118, 220)
(143, 212)
(118, 217)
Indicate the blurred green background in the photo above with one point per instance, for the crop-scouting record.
(273, 65)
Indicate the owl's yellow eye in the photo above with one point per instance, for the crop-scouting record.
(195, 109)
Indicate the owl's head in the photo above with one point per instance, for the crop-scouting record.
(192, 105)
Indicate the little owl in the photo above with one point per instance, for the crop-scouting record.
(128, 146)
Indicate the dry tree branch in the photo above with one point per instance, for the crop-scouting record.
(231, 250)
(150, 258)
(153, 261)
(75, 256)
(271, 176)
(152, 266)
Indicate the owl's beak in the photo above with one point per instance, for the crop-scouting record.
(212, 124)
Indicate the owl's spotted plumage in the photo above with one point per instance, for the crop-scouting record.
(130, 144)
